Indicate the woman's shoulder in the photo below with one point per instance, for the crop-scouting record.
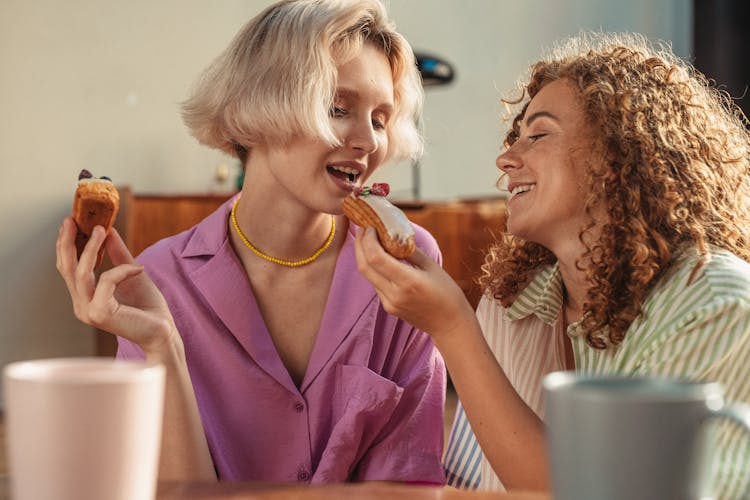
(698, 283)
(168, 246)
(163, 260)
(204, 238)
(728, 279)
(718, 271)
(724, 266)
(426, 241)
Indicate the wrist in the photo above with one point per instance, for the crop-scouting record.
(166, 349)
(452, 335)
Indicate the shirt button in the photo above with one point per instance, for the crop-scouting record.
(299, 407)
(303, 475)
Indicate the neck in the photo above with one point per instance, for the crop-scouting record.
(569, 257)
(574, 291)
(286, 238)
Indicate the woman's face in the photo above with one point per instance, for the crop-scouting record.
(545, 168)
(321, 176)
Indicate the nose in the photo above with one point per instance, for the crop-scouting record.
(507, 160)
(361, 136)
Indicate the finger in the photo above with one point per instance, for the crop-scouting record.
(372, 250)
(358, 240)
(67, 260)
(58, 248)
(421, 260)
(117, 250)
(91, 250)
(103, 306)
(65, 246)
(389, 268)
(84, 271)
(367, 253)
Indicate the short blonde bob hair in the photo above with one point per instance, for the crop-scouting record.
(277, 78)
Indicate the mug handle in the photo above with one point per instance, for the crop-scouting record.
(739, 413)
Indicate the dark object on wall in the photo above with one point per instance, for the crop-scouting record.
(434, 70)
(721, 44)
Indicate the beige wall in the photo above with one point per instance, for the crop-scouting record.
(95, 84)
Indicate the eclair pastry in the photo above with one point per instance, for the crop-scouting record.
(368, 207)
(96, 203)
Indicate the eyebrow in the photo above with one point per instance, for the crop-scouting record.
(540, 114)
(343, 92)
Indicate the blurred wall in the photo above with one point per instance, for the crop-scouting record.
(95, 84)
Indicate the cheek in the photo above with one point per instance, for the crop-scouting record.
(339, 129)
(382, 151)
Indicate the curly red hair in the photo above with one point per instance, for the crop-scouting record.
(675, 159)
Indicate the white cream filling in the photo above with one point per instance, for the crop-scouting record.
(89, 180)
(395, 221)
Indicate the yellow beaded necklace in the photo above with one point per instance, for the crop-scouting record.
(281, 262)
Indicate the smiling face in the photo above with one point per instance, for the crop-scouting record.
(545, 167)
(320, 176)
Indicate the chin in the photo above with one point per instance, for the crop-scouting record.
(519, 231)
(513, 228)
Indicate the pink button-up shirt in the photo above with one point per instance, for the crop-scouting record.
(370, 406)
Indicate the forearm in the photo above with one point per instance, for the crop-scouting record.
(184, 454)
(509, 432)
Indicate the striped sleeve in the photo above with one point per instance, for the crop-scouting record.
(463, 456)
(713, 344)
(705, 335)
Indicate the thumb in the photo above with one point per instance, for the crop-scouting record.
(117, 250)
(421, 260)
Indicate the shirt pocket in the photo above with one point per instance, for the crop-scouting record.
(363, 403)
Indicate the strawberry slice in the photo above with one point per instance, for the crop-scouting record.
(381, 189)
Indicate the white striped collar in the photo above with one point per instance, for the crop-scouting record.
(542, 297)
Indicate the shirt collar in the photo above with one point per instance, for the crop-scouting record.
(542, 297)
(211, 233)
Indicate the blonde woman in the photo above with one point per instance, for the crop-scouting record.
(282, 364)
(626, 253)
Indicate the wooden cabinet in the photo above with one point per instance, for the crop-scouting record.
(463, 229)
(144, 219)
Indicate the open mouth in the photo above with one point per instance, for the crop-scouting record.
(344, 173)
(520, 189)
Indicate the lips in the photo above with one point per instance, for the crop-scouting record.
(346, 174)
(518, 188)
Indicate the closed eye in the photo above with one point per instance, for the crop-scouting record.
(536, 137)
(337, 112)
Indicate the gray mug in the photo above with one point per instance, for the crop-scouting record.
(632, 437)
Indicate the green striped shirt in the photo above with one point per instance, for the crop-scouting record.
(695, 325)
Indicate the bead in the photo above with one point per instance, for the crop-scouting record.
(281, 262)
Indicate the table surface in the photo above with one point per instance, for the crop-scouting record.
(351, 491)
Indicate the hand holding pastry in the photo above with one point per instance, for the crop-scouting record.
(417, 290)
(123, 301)
(368, 207)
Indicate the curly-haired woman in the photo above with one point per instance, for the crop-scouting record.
(626, 252)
